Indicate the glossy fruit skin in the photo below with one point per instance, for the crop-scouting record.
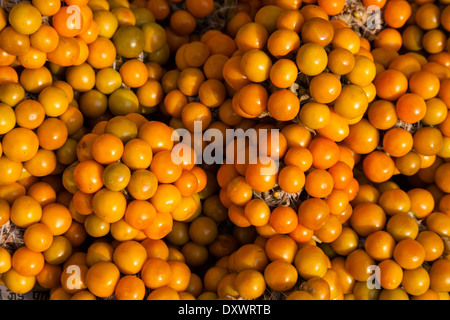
(283, 219)
(368, 223)
(319, 183)
(397, 13)
(311, 59)
(310, 262)
(315, 115)
(102, 278)
(129, 257)
(255, 64)
(130, 287)
(89, 181)
(129, 41)
(352, 102)
(357, 263)
(391, 84)
(119, 179)
(251, 100)
(341, 61)
(27, 262)
(325, 88)
(283, 73)
(380, 162)
(277, 267)
(18, 283)
(283, 106)
(252, 278)
(251, 36)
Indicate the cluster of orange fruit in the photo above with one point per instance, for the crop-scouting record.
(92, 93)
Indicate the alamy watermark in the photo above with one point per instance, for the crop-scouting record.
(375, 21)
(373, 281)
(370, 18)
(74, 279)
(236, 146)
(74, 19)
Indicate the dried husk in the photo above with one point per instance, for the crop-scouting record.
(11, 236)
(366, 22)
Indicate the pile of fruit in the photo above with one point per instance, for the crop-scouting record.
(119, 178)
